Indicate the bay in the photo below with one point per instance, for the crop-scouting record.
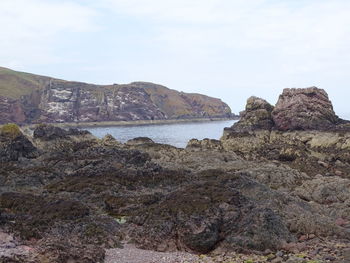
(176, 134)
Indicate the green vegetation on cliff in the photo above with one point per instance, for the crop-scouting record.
(29, 98)
(14, 84)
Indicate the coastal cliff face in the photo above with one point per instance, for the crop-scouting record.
(78, 102)
(27, 98)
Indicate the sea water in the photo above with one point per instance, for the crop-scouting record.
(176, 134)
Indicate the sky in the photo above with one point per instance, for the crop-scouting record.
(230, 49)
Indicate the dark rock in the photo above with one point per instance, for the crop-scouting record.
(71, 202)
(197, 217)
(11, 149)
(65, 229)
(304, 109)
(257, 115)
(50, 132)
(139, 140)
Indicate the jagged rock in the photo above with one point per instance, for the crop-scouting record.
(109, 140)
(199, 215)
(55, 138)
(139, 140)
(305, 133)
(72, 102)
(304, 109)
(204, 144)
(331, 191)
(257, 115)
(63, 229)
(71, 204)
(49, 132)
(303, 150)
(14, 146)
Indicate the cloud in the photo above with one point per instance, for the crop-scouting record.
(317, 29)
(31, 28)
(224, 48)
(259, 46)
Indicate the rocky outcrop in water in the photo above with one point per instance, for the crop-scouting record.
(305, 133)
(257, 115)
(27, 98)
(304, 109)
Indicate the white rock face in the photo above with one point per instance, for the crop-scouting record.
(76, 102)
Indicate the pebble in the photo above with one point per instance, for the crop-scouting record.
(279, 254)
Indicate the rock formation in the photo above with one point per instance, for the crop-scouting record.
(257, 115)
(27, 98)
(78, 195)
(304, 109)
(305, 132)
(66, 196)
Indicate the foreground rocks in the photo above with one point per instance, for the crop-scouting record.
(275, 188)
(257, 194)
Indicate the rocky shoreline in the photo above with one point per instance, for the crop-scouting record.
(275, 188)
(67, 125)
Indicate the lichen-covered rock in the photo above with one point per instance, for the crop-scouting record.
(139, 140)
(109, 140)
(303, 150)
(304, 109)
(257, 115)
(59, 230)
(305, 132)
(49, 132)
(205, 144)
(71, 204)
(331, 191)
(13, 144)
(48, 137)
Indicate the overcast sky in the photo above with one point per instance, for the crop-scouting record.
(230, 49)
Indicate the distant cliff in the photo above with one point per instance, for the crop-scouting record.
(29, 98)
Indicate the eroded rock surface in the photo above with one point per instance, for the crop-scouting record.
(257, 115)
(80, 195)
(304, 109)
(306, 134)
(27, 98)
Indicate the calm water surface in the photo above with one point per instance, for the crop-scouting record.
(177, 134)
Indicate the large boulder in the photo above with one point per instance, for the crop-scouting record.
(14, 145)
(257, 115)
(49, 132)
(304, 109)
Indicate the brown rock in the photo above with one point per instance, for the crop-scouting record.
(304, 109)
